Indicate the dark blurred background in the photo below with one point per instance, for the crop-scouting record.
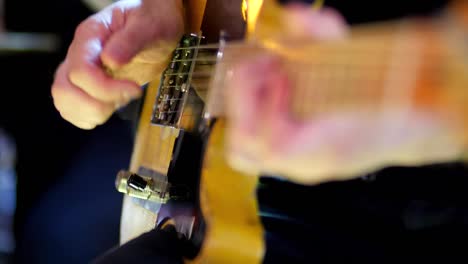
(67, 210)
(65, 176)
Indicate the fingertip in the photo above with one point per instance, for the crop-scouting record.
(86, 126)
(72, 119)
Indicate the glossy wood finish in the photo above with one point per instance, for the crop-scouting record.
(234, 232)
(153, 144)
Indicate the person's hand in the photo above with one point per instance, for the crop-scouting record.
(263, 137)
(83, 91)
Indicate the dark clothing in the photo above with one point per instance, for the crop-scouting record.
(402, 215)
(156, 246)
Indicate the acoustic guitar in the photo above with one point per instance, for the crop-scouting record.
(178, 166)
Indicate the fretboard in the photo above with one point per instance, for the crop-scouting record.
(380, 68)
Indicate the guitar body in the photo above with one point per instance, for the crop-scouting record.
(159, 141)
(234, 233)
(225, 198)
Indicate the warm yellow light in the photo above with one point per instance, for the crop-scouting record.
(244, 9)
(318, 4)
(251, 9)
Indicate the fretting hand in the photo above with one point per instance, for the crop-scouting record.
(263, 137)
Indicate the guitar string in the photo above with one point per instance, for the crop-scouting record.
(345, 78)
(211, 61)
(215, 46)
(164, 146)
(350, 70)
(204, 46)
(347, 66)
(336, 58)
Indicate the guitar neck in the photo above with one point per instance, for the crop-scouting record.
(412, 65)
(393, 66)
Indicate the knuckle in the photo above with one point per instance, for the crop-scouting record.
(78, 74)
(87, 79)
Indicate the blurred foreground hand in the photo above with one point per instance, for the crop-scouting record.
(262, 136)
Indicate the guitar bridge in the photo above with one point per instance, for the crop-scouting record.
(175, 84)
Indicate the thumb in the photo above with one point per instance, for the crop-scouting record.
(127, 42)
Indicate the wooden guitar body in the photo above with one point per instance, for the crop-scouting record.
(234, 233)
(157, 151)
